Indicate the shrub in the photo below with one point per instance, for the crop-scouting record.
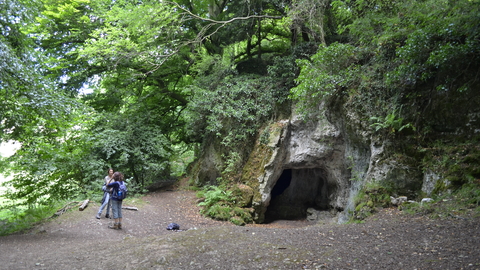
(222, 205)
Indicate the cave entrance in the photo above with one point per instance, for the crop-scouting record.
(295, 191)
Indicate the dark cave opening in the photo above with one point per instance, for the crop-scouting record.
(295, 191)
(282, 183)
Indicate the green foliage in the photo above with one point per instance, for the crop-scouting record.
(462, 203)
(230, 108)
(392, 123)
(371, 197)
(133, 35)
(438, 49)
(55, 165)
(20, 219)
(398, 54)
(457, 162)
(17, 72)
(182, 156)
(60, 30)
(135, 148)
(27, 99)
(233, 110)
(330, 71)
(217, 202)
(221, 204)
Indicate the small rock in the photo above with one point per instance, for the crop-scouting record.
(402, 199)
(398, 201)
(393, 200)
(427, 200)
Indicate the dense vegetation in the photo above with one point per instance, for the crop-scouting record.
(141, 85)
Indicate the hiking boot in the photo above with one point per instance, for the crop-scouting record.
(119, 226)
(107, 216)
(114, 226)
(98, 216)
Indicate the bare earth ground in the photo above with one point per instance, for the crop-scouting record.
(388, 240)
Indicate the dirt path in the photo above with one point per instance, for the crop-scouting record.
(389, 240)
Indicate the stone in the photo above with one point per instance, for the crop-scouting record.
(312, 214)
(430, 179)
(427, 200)
(402, 199)
(398, 201)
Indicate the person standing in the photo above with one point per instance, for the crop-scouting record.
(116, 202)
(106, 195)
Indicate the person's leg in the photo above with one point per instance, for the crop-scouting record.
(120, 214)
(115, 207)
(109, 204)
(105, 202)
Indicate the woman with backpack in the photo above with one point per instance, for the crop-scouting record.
(106, 195)
(119, 191)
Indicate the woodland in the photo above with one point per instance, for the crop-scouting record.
(142, 86)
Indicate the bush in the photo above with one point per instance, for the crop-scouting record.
(222, 205)
(369, 198)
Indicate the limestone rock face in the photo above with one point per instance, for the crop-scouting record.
(245, 195)
(307, 169)
(320, 164)
(206, 169)
(404, 179)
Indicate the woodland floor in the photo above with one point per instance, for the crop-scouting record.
(387, 240)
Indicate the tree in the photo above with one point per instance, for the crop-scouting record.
(402, 55)
(48, 166)
(54, 166)
(27, 100)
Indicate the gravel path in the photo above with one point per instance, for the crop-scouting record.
(388, 240)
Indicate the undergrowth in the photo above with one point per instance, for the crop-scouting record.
(459, 163)
(221, 204)
(21, 219)
(462, 202)
(371, 197)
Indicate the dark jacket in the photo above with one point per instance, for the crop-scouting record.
(115, 185)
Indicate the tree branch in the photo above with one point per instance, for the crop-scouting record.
(225, 22)
(201, 37)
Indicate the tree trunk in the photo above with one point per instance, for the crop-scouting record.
(84, 205)
(130, 208)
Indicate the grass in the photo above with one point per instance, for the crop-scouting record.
(17, 219)
(20, 219)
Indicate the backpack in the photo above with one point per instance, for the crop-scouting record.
(173, 226)
(121, 192)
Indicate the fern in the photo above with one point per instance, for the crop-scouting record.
(214, 195)
(391, 122)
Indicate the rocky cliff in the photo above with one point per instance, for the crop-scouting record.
(321, 164)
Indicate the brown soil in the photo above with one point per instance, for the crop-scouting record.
(388, 240)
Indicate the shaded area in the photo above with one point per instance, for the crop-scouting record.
(295, 191)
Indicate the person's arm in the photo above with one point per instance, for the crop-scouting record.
(108, 180)
(113, 184)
